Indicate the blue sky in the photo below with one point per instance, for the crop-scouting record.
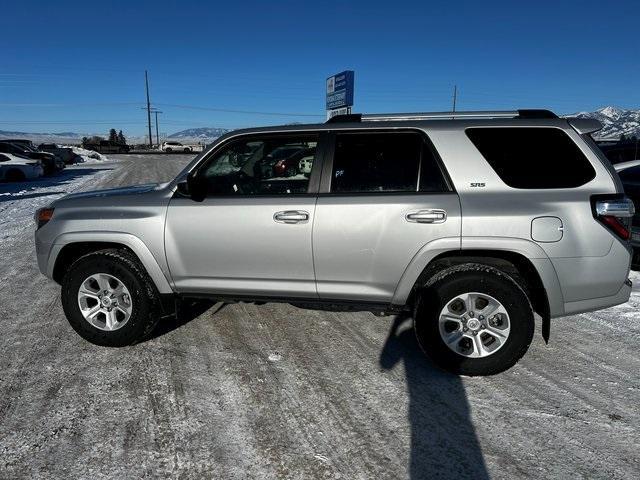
(79, 66)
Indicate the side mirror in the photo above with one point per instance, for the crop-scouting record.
(183, 188)
(196, 187)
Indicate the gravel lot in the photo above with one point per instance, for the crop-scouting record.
(272, 391)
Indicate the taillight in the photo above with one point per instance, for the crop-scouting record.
(615, 214)
(43, 215)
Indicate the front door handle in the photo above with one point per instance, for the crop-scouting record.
(291, 216)
(427, 216)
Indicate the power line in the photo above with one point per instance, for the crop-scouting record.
(249, 112)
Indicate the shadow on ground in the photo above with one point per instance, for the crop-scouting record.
(187, 310)
(23, 190)
(443, 439)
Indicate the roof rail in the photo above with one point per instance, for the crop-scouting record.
(383, 117)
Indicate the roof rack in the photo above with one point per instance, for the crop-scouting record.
(383, 117)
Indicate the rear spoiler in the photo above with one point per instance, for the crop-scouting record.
(585, 125)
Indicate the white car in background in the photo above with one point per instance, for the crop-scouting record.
(175, 147)
(17, 169)
(624, 165)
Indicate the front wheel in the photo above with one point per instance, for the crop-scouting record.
(109, 299)
(473, 319)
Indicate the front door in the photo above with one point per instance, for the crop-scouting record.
(252, 233)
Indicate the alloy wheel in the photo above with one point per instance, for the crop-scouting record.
(474, 325)
(105, 302)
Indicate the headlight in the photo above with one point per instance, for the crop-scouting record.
(43, 215)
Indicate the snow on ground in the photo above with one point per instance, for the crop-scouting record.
(19, 200)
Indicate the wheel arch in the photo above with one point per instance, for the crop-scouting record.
(69, 247)
(535, 275)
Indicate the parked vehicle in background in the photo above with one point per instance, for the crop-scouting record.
(265, 166)
(105, 146)
(17, 169)
(67, 154)
(624, 165)
(175, 147)
(622, 151)
(50, 162)
(19, 141)
(469, 225)
(630, 177)
(290, 166)
(46, 158)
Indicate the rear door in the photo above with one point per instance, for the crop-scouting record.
(384, 195)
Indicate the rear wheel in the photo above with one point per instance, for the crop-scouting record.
(168, 150)
(473, 319)
(109, 299)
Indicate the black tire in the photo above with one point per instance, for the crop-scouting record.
(457, 280)
(168, 150)
(187, 150)
(15, 175)
(124, 266)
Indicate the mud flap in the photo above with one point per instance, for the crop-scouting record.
(546, 328)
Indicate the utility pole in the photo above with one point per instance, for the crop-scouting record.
(146, 82)
(157, 135)
(455, 97)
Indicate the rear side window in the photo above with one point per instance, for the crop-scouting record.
(534, 158)
(384, 162)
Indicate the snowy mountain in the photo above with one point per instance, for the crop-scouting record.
(615, 121)
(62, 137)
(205, 134)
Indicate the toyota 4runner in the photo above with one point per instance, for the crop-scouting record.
(473, 222)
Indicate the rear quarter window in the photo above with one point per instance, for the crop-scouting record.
(533, 157)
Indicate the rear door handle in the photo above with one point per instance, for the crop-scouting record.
(427, 216)
(291, 216)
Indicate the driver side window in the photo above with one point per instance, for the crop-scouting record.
(274, 165)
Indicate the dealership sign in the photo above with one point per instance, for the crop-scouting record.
(340, 90)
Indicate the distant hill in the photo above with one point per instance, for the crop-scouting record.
(615, 122)
(205, 134)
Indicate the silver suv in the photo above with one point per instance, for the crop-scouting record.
(471, 224)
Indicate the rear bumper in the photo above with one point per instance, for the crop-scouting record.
(571, 308)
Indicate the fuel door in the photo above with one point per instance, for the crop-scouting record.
(546, 229)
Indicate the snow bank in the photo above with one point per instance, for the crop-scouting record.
(88, 156)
